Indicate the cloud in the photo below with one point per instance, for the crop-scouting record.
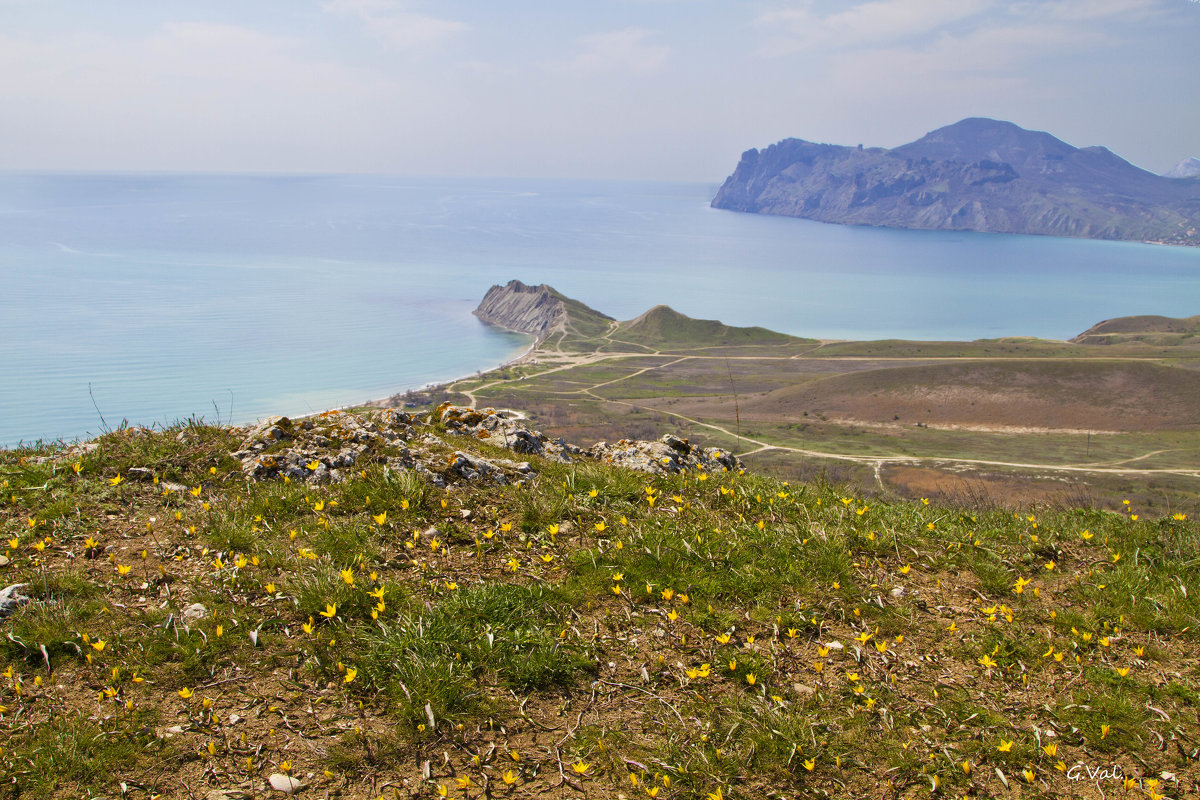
(800, 27)
(623, 50)
(388, 20)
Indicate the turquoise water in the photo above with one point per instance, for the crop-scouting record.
(244, 296)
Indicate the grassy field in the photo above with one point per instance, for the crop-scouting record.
(592, 632)
(1022, 417)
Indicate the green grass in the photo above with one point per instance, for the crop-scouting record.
(567, 621)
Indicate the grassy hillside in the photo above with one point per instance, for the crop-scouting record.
(662, 326)
(588, 632)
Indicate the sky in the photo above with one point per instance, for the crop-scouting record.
(623, 89)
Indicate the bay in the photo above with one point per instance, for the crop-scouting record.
(154, 298)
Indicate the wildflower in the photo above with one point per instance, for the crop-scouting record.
(580, 767)
(600, 526)
(905, 569)
(1122, 671)
(351, 672)
(123, 569)
(750, 678)
(347, 576)
(1021, 583)
(509, 778)
(1104, 729)
(115, 481)
(723, 638)
(330, 611)
(1028, 773)
(186, 693)
(1051, 749)
(379, 518)
(1004, 746)
(270, 587)
(810, 764)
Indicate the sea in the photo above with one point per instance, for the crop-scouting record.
(148, 299)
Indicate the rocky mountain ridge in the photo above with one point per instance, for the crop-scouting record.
(976, 175)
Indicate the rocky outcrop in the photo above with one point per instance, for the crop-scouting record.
(668, 455)
(536, 310)
(977, 175)
(324, 448)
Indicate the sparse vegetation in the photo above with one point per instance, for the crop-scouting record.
(591, 632)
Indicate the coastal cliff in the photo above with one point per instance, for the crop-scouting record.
(974, 175)
(539, 311)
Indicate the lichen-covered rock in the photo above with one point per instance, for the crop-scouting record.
(502, 429)
(319, 449)
(669, 454)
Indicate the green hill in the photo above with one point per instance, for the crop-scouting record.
(662, 326)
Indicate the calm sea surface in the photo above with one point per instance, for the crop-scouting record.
(242, 296)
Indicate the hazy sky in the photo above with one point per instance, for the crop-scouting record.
(662, 89)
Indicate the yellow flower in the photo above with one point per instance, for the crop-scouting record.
(379, 518)
(905, 569)
(1051, 749)
(580, 767)
(810, 764)
(98, 645)
(600, 526)
(347, 576)
(509, 778)
(123, 569)
(750, 678)
(115, 481)
(723, 638)
(987, 662)
(1028, 773)
(1004, 746)
(1122, 671)
(350, 673)
(186, 693)
(1104, 729)
(330, 610)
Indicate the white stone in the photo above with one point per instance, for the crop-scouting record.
(283, 783)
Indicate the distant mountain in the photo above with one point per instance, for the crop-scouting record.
(1188, 168)
(975, 175)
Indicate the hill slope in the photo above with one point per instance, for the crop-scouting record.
(388, 606)
(978, 174)
(664, 326)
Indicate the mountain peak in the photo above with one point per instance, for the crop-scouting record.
(977, 174)
(982, 139)
(1188, 168)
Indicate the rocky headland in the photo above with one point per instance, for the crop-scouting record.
(974, 175)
